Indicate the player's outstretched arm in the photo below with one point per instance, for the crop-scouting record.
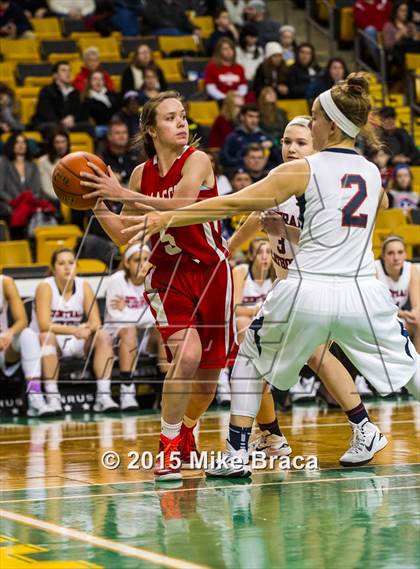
(287, 180)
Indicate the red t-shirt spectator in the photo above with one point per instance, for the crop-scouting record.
(82, 77)
(225, 78)
(219, 131)
(375, 13)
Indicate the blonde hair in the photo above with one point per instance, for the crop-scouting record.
(392, 239)
(229, 110)
(268, 111)
(217, 50)
(352, 98)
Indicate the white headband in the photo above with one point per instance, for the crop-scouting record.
(334, 113)
(299, 121)
(134, 249)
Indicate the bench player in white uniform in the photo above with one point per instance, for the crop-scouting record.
(403, 282)
(126, 313)
(19, 344)
(331, 292)
(283, 226)
(62, 301)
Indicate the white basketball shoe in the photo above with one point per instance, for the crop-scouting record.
(367, 440)
(128, 401)
(270, 445)
(232, 464)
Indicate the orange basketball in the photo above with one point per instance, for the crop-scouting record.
(66, 179)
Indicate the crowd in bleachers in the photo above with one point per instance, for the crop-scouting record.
(74, 75)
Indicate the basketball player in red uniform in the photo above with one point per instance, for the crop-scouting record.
(189, 289)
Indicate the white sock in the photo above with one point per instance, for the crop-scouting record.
(170, 431)
(51, 387)
(30, 353)
(413, 386)
(103, 387)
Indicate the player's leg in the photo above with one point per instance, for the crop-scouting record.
(127, 351)
(50, 349)
(103, 360)
(340, 385)
(414, 331)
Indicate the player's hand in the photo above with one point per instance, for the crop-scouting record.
(142, 227)
(5, 340)
(83, 332)
(411, 316)
(143, 271)
(273, 224)
(104, 185)
(117, 303)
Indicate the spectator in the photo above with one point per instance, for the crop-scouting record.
(130, 113)
(225, 122)
(223, 74)
(34, 8)
(248, 132)
(302, 73)
(371, 17)
(401, 145)
(255, 162)
(151, 86)
(73, 9)
(382, 158)
(117, 153)
(223, 184)
(401, 192)
(13, 21)
(273, 119)
(58, 145)
(287, 39)
(239, 180)
(8, 117)
(256, 13)
(400, 35)
(133, 75)
(236, 11)
(249, 54)
(273, 71)
(92, 62)
(335, 71)
(168, 18)
(100, 103)
(59, 103)
(223, 29)
(18, 172)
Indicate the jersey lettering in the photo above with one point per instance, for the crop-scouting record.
(349, 219)
(172, 248)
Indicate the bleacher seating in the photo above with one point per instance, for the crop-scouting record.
(15, 253)
(108, 47)
(48, 239)
(21, 50)
(54, 51)
(47, 28)
(203, 112)
(170, 44)
(171, 68)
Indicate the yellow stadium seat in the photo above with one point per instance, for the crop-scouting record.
(54, 57)
(203, 112)
(395, 100)
(412, 60)
(415, 171)
(377, 244)
(27, 92)
(411, 235)
(390, 218)
(294, 107)
(21, 50)
(171, 68)
(75, 65)
(346, 24)
(15, 253)
(7, 73)
(108, 47)
(33, 134)
(76, 36)
(47, 28)
(48, 239)
(116, 79)
(27, 109)
(168, 44)
(81, 141)
(205, 23)
(33, 81)
(91, 266)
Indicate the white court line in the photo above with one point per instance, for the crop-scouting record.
(123, 494)
(382, 489)
(103, 543)
(206, 431)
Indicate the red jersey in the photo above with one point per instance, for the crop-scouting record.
(203, 241)
(225, 77)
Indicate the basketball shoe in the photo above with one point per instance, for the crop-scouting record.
(128, 401)
(270, 445)
(168, 461)
(37, 407)
(188, 447)
(104, 403)
(232, 464)
(367, 440)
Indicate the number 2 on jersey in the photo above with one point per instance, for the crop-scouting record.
(349, 217)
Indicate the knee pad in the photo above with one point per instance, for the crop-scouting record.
(246, 386)
(49, 350)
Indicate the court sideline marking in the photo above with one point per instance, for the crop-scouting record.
(103, 543)
(123, 494)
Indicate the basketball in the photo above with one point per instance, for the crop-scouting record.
(66, 179)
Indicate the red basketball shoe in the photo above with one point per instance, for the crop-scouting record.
(188, 448)
(168, 460)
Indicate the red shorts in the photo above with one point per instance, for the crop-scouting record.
(192, 295)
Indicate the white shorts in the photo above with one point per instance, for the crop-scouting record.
(71, 347)
(301, 314)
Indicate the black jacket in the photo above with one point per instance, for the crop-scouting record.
(167, 14)
(300, 81)
(99, 112)
(52, 106)
(127, 80)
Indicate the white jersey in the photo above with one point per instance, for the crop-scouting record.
(253, 293)
(282, 251)
(136, 311)
(4, 323)
(341, 202)
(397, 289)
(64, 312)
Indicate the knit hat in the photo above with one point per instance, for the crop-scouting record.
(273, 48)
